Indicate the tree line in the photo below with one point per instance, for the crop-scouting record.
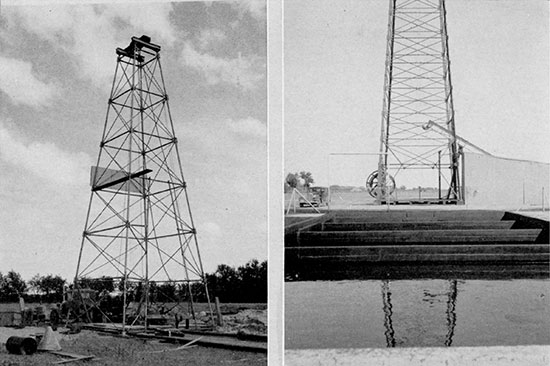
(295, 180)
(247, 283)
(39, 288)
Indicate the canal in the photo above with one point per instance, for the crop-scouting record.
(416, 313)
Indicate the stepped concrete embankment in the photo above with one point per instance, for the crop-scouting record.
(397, 242)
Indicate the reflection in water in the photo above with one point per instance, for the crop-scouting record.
(451, 314)
(390, 339)
(416, 313)
(388, 313)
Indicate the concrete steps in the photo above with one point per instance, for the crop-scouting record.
(329, 270)
(399, 237)
(416, 215)
(412, 225)
(382, 239)
(382, 252)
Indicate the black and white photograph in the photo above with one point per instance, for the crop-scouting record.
(416, 182)
(133, 144)
(275, 182)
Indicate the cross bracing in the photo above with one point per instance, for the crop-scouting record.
(418, 89)
(139, 225)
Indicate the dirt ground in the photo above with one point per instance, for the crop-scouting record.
(110, 350)
(250, 321)
(119, 351)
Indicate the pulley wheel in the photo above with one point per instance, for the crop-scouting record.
(372, 185)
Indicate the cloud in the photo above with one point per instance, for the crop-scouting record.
(19, 83)
(243, 72)
(229, 190)
(227, 142)
(207, 37)
(46, 160)
(248, 127)
(152, 19)
(210, 232)
(256, 8)
(91, 33)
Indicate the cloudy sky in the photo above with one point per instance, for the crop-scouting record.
(57, 66)
(334, 76)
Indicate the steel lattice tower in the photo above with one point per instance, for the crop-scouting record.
(139, 227)
(417, 90)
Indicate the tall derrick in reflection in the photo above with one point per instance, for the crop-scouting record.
(388, 309)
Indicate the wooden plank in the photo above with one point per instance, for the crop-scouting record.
(74, 359)
(188, 345)
(67, 354)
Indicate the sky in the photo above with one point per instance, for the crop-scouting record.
(57, 65)
(334, 56)
(58, 61)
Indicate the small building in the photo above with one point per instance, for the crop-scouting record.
(10, 315)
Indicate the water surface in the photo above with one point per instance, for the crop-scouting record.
(416, 313)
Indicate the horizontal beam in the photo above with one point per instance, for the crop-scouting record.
(121, 180)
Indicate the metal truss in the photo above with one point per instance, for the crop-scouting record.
(139, 228)
(418, 89)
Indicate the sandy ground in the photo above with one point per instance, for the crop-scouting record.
(248, 321)
(124, 351)
(111, 350)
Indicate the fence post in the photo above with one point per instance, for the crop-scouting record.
(218, 311)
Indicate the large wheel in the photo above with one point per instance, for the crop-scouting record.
(372, 185)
